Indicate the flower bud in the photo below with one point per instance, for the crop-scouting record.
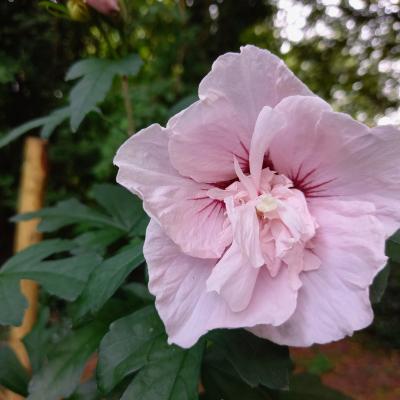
(78, 10)
(106, 7)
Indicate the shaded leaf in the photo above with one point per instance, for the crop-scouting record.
(48, 124)
(221, 381)
(64, 278)
(107, 278)
(37, 340)
(125, 209)
(393, 247)
(257, 361)
(12, 302)
(65, 213)
(20, 130)
(86, 391)
(174, 376)
(96, 76)
(96, 241)
(13, 375)
(127, 346)
(378, 287)
(135, 292)
(60, 376)
(138, 342)
(55, 118)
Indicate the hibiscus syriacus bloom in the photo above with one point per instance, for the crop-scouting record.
(269, 211)
(104, 6)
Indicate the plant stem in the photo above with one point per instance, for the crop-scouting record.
(127, 104)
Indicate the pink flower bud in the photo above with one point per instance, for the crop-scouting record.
(104, 6)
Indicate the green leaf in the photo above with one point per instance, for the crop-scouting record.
(86, 391)
(60, 376)
(174, 376)
(12, 302)
(37, 253)
(13, 375)
(107, 278)
(127, 346)
(37, 340)
(64, 278)
(120, 211)
(96, 241)
(65, 213)
(55, 118)
(125, 209)
(309, 387)
(257, 361)
(137, 292)
(393, 247)
(20, 130)
(379, 284)
(221, 381)
(48, 124)
(96, 76)
(138, 342)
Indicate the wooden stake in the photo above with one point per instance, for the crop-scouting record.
(31, 193)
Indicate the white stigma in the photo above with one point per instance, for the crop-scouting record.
(266, 203)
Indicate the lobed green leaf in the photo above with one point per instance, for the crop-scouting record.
(107, 278)
(96, 76)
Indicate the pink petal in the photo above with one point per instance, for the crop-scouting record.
(104, 6)
(234, 276)
(234, 279)
(250, 80)
(329, 154)
(192, 220)
(210, 132)
(189, 311)
(269, 123)
(206, 137)
(300, 149)
(246, 231)
(334, 299)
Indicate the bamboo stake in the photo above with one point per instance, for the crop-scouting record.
(31, 193)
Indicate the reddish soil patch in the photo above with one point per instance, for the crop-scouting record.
(357, 367)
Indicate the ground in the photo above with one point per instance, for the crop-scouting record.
(358, 367)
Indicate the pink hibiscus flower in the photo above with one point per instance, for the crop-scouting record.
(104, 6)
(269, 211)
